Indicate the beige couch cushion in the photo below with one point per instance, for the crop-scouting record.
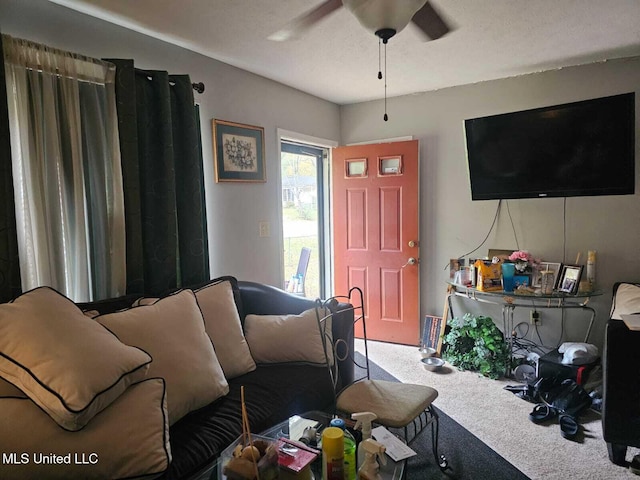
(172, 331)
(69, 365)
(289, 338)
(222, 323)
(130, 438)
(223, 326)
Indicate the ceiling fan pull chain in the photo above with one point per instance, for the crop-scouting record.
(386, 117)
(379, 55)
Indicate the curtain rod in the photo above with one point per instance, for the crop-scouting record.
(198, 87)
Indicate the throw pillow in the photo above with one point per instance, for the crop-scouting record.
(220, 309)
(130, 438)
(626, 300)
(66, 363)
(290, 338)
(223, 326)
(172, 331)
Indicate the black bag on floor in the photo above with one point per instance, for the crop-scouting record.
(568, 398)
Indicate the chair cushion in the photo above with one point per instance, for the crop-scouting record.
(129, 438)
(395, 404)
(289, 338)
(172, 331)
(69, 365)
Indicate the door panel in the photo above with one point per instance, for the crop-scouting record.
(390, 209)
(375, 215)
(356, 219)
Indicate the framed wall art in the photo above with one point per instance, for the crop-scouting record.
(238, 152)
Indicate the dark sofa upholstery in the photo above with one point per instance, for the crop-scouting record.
(272, 392)
(621, 383)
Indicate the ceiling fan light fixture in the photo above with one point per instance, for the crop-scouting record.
(384, 15)
(385, 34)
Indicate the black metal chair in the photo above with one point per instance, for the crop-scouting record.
(405, 409)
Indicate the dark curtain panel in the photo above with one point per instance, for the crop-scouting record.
(9, 262)
(163, 180)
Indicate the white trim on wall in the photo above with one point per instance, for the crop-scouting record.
(384, 140)
(301, 137)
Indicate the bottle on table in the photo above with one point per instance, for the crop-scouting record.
(349, 449)
(332, 454)
(363, 422)
(370, 469)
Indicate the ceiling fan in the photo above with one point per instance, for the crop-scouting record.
(384, 18)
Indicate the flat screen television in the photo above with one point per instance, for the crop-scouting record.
(575, 149)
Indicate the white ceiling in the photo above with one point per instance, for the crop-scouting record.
(338, 60)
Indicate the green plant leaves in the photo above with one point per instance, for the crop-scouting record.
(475, 343)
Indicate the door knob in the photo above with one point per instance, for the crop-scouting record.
(413, 243)
(410, 261)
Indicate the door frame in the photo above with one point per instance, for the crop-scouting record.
(291, 136)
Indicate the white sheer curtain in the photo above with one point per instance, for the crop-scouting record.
(66, 169)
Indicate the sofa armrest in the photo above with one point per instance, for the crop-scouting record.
(261, 299)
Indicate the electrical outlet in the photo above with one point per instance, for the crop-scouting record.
(534, 317)
(264, 229)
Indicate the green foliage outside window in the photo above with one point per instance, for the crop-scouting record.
(475, 343)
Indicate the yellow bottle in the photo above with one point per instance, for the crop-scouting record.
(349, 449)
(332, 454)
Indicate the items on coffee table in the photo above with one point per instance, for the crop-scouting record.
(295, 459)
(252, 458)
(332, 454)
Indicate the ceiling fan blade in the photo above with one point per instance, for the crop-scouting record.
(430, 22)
(305, 21)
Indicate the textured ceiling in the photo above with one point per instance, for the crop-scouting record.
(338, 60)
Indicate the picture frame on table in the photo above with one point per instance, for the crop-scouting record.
(238, 152)
(546, 266)
(569, 279)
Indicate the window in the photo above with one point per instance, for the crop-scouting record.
(302, 171)
(66, 166)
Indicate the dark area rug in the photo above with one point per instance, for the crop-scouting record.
(468, 457)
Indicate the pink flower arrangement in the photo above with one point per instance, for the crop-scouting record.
(523, 259)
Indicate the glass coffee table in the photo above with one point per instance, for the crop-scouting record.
(293, 428)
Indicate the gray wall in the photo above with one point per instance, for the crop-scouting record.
(234, 210)
(452, 224)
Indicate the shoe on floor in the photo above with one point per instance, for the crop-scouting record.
(568, 427)
(634, 466)
(542, 413)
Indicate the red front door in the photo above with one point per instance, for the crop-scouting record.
(376, 244)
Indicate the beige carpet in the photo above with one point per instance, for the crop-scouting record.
(500, 419)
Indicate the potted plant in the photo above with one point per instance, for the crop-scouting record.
(475, 343)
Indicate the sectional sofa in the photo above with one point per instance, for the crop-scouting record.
(151, 387)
